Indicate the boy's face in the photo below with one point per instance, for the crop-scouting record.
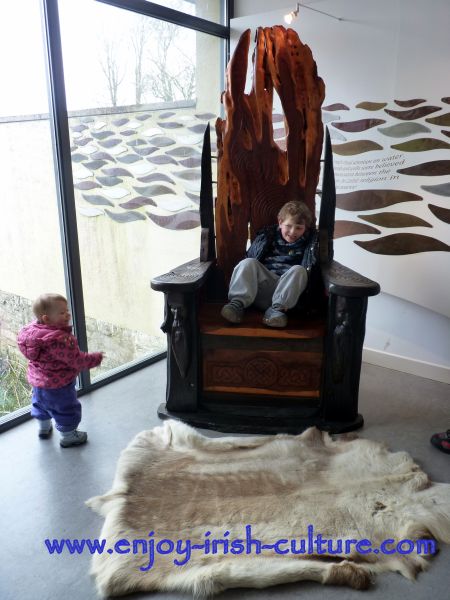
(58, 315)
(290, 230)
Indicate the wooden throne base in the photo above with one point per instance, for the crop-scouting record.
(269, 425)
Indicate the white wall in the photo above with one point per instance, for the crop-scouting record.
(397, 49)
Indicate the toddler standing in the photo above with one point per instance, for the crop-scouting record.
(55, 360)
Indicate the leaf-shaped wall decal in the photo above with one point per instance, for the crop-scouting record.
(346, 228)
(117, 172)
(356, 147)
(395, 219)
(443, 214)
(77, 157)
(160, 141)
(83, 141)
(408, 103)
(413, 113)
(170, 125)
(145, 151)
(188, 219)
(446, 99)
(126, 217)
(404, 129)
(137, 202)
(90, 211)
(336, 106)
(95, 164)
(156, 177)
(421, 145)
(183, 152)
(116, 193)
(127, 132)
(80, 127)
(359, 125)
(109, 181)
(101, 135)
(403, 243)
(277, 118)
(191, 163)
(103, 156)
(371, 105)
(166, 115)
(441, 120)
(137, 142)
(441, 189)
(373, 199)
(120, 122)
(206, 116)
(86, 185)
(200, 128)
(129, 159)
(97, 200)
(162, 159)
(279, 133)
(188, 174)
(433, 168)
(152, 190)
(194, 197)
(143, 117)
(447, 133)
(110, 143)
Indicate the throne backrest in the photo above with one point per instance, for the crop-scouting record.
(256, 176)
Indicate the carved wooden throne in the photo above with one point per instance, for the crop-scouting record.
(249, 377)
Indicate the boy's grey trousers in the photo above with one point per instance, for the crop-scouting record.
(252, 283)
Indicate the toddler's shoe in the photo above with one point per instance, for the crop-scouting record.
(44, 434)
(275, 318)
(73, 438)
(233, 312)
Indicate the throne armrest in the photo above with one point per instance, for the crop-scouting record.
(186, 278)
(342, 281)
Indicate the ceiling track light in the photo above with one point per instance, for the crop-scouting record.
(294, 13)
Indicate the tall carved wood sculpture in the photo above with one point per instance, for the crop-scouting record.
(256, 177)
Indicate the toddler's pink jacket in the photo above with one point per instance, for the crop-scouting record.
(54, 355)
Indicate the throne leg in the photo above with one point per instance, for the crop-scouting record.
(343, 356)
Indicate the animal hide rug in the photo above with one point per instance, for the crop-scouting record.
(197, 514)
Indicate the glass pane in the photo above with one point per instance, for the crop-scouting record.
(211, 10)
(138, 110)
(30, 247)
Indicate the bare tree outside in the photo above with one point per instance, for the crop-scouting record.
(110, 65)
(161, 66)
(172, 72)
(140, 38)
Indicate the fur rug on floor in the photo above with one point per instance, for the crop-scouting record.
(197, 514)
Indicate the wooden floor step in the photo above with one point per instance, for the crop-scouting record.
(298, 328)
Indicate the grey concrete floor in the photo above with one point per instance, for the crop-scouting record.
(44, 486)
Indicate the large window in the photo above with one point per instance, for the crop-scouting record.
(137, 94)
(30, 242)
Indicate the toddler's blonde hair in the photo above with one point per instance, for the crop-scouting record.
(45, 302)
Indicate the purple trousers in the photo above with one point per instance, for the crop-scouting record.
(61, 404)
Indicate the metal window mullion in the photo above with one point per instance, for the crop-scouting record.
(171, 15)
(63, 174)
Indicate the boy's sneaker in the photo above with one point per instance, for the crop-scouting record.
(233, 311)
(275, 318)
(44, 434)
(74, 438)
